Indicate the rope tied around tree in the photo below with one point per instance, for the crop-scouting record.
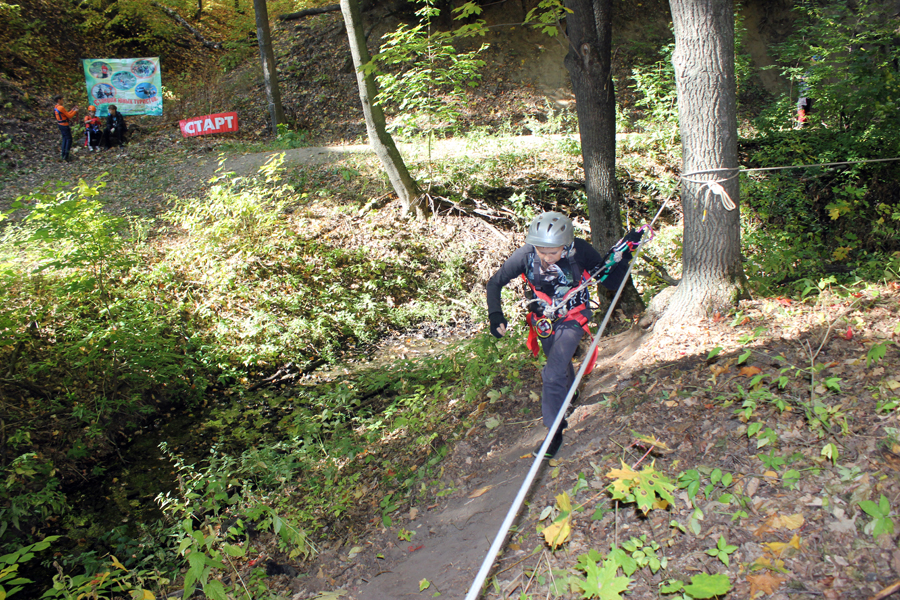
(712, 188)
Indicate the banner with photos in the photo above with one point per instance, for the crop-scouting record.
(133, 85)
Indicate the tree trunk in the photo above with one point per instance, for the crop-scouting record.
(376, 127)
(712, 275)
(267, 56)
(589, 28)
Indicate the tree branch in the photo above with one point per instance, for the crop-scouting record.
(308, 12)
(180, 20)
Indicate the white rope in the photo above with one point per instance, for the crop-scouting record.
(500, 538)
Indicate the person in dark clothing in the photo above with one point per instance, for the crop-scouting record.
(554, 264)
(64, 121)
(115, 128)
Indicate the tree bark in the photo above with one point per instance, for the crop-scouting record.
(589, 62)
(712, 275)
(267, 57)
(376, 126)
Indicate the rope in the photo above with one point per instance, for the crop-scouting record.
(714, 186)
(500, 538)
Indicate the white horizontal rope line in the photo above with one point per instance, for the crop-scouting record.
(500, 538)
(807, 166)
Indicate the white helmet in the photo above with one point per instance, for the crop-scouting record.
(550, 230)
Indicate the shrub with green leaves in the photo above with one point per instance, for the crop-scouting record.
(428, 76)
(844, 57)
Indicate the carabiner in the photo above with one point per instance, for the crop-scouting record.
(544, 327)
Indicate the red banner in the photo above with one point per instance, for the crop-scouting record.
(205, 125)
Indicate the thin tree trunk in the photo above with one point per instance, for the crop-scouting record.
(712, 276)
(588, 61)
(267, 57)
(376, 126)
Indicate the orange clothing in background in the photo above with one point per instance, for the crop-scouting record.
(63, 115)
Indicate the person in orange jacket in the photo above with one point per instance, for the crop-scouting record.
(93, 135)
(64, 121)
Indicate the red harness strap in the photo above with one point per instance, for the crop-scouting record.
(574, 315)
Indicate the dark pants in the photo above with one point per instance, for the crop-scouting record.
(558, 373)
(66, 133)
(94, 138)
(117, 136)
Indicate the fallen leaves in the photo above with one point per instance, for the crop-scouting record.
(766, 583)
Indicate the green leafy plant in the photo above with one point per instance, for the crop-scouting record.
(647, 489)
(702, 586)
(722, 550)
(433, 75)
(881, 516)
(10, 580)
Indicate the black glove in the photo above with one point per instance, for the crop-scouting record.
(497, 319)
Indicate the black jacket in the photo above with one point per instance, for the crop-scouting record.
(584, 258)
(116, 121)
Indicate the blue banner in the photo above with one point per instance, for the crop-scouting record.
(133, 85)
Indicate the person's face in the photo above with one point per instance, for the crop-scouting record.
(549, 256)
(112, 111)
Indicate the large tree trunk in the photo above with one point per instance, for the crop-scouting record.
(376, 127)
(712, 276)
(267, 56)
(589, 28)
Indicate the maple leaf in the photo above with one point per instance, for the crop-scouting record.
(558, 532)
(625, 472)
(766, 582)
(602, 582)
(750, 371)
(651, 440)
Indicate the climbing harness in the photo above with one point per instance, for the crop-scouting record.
(475, 589)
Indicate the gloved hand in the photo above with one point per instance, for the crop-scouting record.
(498, 324)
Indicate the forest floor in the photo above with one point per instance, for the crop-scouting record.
(793, 512)
(790, 430)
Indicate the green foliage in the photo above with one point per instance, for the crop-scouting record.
(702, 586)
(115, 579)
(10, 580)
(844, 57)
(647, 489)
(722, 550)
(430, 85)
(881, 516)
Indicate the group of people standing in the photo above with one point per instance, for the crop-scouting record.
(94, 137)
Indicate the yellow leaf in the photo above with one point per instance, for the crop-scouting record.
(117, 564)
(792, 522)
(564, 502)
(892, 384)
(480, 491)
(148, 595)
(661, 504)
(650, 440)
(558, 532)
(780, 548)
(766, 563)
(625, 472)
(771, 474)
